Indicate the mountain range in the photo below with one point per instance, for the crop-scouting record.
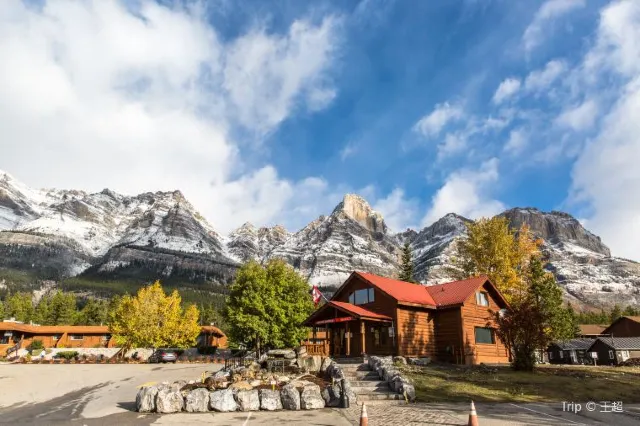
(55, 234)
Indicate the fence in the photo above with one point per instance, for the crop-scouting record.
(321, 349)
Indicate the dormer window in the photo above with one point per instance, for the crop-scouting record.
(482, 298)
(362, 297)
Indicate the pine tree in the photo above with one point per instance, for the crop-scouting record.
(20, 307)
(1, 310)
(406, 266)
(616, 313)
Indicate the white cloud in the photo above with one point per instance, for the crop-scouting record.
(399, 212)
(606, 175)
(508, 88)
(264, 73)
(432, 124)
(518, 141)
(98, 95)
(347, 151)
(467, 193)
(549, 11)
(454, 143)
(540, 80)
(580, 117)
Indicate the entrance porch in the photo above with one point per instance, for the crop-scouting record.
(352, 331)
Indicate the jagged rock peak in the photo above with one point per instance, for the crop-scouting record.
(556, 228)
(357, 208)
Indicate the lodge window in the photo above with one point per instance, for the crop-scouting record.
(57, 337)
(550, 355)
(107, 337)
(484, 335)
(610, 354)
(482, 298)
(361, 297)
(4, 339)
(76, 337)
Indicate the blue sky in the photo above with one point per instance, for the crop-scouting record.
(269, 111)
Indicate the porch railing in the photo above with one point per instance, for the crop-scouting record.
(321, 349)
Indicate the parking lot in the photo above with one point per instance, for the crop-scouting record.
(89, 394)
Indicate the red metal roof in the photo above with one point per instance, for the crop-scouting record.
(357, 310)
(400, 290)
(455, 292)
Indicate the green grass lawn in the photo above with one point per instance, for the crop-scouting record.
(438, 383)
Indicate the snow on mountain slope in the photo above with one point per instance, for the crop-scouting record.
(65, 232)
(353, 237)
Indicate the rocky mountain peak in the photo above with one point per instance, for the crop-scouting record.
(358, 209)
(556, 228)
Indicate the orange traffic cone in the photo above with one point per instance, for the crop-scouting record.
(473, 417)
(364, 420)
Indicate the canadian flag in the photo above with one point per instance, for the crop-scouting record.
(316, 294)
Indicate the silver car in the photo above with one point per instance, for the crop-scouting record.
(164, 356)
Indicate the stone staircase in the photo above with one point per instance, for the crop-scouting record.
(365, 383)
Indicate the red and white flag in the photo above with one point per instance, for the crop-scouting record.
(316, 294)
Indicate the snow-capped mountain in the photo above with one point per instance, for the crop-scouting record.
(62, 233)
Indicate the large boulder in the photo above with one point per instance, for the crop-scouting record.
(400, 360)
(409, 390)
(290, 397)
(244, 385)
(301, 351)
(270, 400)
(146, 399)
(326, 362)
(310, 397)
(311, 363)
(281, 353)
(248, 400)
(197, 401)
(169, 400)
(222, 401)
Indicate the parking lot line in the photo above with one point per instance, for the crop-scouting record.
(247, 419)
(545, 414)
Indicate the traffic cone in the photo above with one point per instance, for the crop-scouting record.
(364, 420)
(473, 417)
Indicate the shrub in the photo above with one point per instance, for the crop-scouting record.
(67, 354)
(35, 345)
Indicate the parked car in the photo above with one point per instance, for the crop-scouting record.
(164, 356)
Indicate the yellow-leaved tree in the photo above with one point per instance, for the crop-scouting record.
(491, 248)
(153, 319)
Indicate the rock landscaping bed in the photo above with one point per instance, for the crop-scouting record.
(252, 388)
(388, 372)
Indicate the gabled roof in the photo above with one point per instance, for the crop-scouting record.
(358, 311)
(591, 329)
(456, 292)
(573, 344)
(402, 291)
(620, 343)
(629, 318)
(212, 329)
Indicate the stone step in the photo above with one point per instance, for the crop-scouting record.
(354, 367)
(379, 396)
(369, 384)
(361, 375)
(349, 360)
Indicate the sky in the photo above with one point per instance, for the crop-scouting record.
(270, 111)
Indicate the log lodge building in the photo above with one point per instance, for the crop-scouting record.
(450, 322)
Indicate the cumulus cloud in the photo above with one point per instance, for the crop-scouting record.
(579, 117)
(508, 88)
(399, 212)
(466, 192)
(347, 151)
(432, 124)
(606, 174)
(548, 12)
(143, 97)
(540, 80)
